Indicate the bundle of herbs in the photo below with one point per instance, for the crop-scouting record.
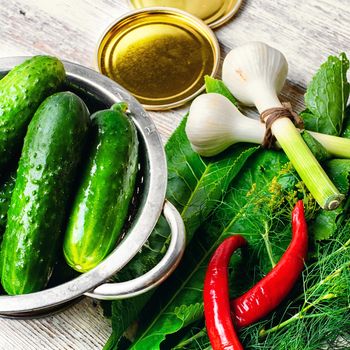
(250, 191)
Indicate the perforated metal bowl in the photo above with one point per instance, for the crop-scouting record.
(100, 91)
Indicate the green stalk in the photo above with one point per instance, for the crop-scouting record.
(298, 316)
(302, 313)
(265, 237)
(306, 165)
(344, 247)
(337, 146)
(187, 341)
(331, 276)
(294, 318)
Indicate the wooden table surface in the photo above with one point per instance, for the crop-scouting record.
(305, 31)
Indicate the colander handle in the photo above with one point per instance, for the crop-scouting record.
(151, 279)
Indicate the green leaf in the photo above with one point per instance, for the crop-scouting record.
(218, 86)
(111, 343)
(125, 311)
(346, 124)
(195, 186)
(246, 209)
(189, 314)
(339, 172)
(310, 120)
(326, 97)
(326, 112)
(326, 223)
(316, 148)
(196, 339)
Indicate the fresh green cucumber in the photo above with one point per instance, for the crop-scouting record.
(101, 205)
(51, 152)
(21, 92)
(6, 188)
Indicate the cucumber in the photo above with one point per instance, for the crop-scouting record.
(21, 92)
(101, 205)
(51, 152)
(6, 189)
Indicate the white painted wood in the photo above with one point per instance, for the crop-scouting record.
(306, 31)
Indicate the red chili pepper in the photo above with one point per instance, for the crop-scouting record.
(261, 299)
(267, 294)
(217, 313)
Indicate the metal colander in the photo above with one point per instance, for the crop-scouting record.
(101, 92)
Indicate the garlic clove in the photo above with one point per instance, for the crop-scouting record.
(255, 73)
(207, 124)
(214, 124)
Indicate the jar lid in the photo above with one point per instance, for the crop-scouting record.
(160, 55)
(213, 12)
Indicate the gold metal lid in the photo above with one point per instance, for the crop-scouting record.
(160, 55)
(213, 12)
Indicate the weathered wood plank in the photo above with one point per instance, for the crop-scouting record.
(306, 31)
(82, 326)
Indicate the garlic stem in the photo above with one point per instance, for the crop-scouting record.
(303, 160)
(306, 165)
(335, 145)
(265, 98)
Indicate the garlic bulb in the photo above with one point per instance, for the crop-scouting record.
(255, 73)
(214, 124)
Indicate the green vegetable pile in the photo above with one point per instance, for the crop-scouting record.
(44, 199)
(250, 191)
